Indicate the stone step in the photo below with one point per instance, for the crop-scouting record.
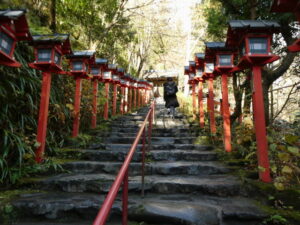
(154, 140)
(153, 168)
(162, 155)
(218, 185)
(154, 134)
(152, 209)
(156, 147)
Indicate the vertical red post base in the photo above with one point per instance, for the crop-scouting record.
(77, 101)
(135, 98)
(95, 102)
(114, 109)
(200, 104)
(211, 105)
(226, 114)
(260, 126)
(105, 116)
(43, 117)
(194, 99)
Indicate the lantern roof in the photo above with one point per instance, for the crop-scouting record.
(186, 70)
(100, 61)
(82, 54)
(112, 66)
(238, 28)
(21, 28)
(56, 39)
(120, 70)
(213, 48)
(199, 59)
(192, 63)
(285, 5)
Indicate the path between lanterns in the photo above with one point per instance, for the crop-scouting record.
(185, 184)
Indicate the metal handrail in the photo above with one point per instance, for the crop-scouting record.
(123, 174)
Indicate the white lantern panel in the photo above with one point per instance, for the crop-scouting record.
(199, 73)
(44, 55)
(123, 82)
(115, 77)
(57, 58)
(95, 71)
(77, 65)
(225, 60)
(6, 43)
(107, 75)
(209, 67)
(258, 45)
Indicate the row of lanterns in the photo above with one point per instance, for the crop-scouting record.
(48, 52)
(248, 45)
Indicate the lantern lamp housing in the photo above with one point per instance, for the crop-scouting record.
(107, 76)
(115, 79)
(254, 38)
(13, 28)
(199, 73)
(186, 70)
(209, 67)
(48, 51)
(97, 68)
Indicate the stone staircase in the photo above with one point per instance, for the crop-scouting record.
(184, 183)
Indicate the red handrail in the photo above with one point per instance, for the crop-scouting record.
(123, 175)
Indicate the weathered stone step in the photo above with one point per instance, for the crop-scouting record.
(219, 185)
(159, 130)
(155, 147)
(154, 140)
(174, 155)
(167, 209)
(153, 168)
(154, 134)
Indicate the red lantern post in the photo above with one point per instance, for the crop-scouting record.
(254, 41)
(96, 71)
(193, 82)
(14, 27)
(48, 51)
(79, 62)
(292, 6)
(107, 79)
(209, 76)
(224, 58)
(199, 59)
(116, 77)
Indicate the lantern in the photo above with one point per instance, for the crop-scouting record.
(253, 38)
(254, 41)
(48, 51)
(97, 68)
(199, 59)
(14, 27)
(80, 62)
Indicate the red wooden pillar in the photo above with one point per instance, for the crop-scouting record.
(43, 117)
(77, 102)
(194, 99)
(260, 126)
(200, 103)
(129, 99)
(138, 98)
(226, 114)
(95, 101)
(135, 98)
(115, 90)
(126, 100)
(105, 116)
(211, 105)
(122, 100)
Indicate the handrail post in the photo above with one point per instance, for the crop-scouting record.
(143, 163)
(125, 199)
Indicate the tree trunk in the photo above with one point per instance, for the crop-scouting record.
(238, 98)
(53, 16)
(247, 96)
